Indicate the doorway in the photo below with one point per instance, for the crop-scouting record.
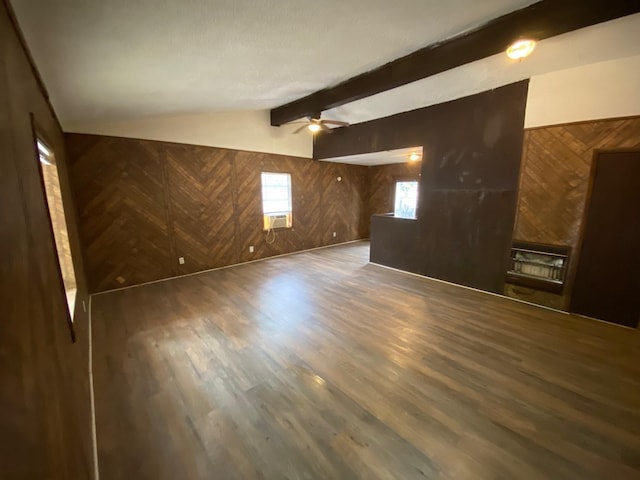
(607, 283)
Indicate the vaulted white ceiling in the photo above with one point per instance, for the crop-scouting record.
(111, 60)
(613, 40)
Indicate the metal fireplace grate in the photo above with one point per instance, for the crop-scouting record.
(539, 266)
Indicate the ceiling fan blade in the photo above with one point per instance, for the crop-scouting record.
(337, 122)
(298, 130)
(324, 127)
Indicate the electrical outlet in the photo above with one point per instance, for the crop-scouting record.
(334, 234)
(181, 260)
(251, 249)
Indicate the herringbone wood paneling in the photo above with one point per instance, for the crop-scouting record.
(381, 184)
(321, 205)
(201, 206)
(554, 182)
(119, 186)
(200, 203)
(344, 202)
(305, 205)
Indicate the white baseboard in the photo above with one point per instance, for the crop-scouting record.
(229, 266)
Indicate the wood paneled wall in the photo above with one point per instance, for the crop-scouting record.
(143, 204)
(45, 425)
(381, 184)
(554, 181)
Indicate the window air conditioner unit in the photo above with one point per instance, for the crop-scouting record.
(277, 221)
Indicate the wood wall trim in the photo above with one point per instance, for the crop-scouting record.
(545, 19)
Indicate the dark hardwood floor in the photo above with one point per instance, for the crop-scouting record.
(321, 366)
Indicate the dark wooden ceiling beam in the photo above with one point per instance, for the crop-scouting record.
(541, 20)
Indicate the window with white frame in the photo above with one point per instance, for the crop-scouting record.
(406, 199)
(276, 200)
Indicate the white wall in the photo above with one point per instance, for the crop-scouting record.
(239, 130)
(591, 92)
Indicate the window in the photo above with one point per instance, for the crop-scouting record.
(406, 199)
(52, 190)
(276, 200)
(45, 155)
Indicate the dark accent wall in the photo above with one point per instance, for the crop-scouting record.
(143, 204)
(468, 188)
(556, 166)
(45, 425)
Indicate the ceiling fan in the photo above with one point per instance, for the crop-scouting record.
(314, 123)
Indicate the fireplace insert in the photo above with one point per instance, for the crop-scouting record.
(539, 266)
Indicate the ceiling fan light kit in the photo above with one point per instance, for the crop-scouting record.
(315, 124)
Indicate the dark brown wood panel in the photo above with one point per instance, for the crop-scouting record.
(305, 178)
(45, 424)
(308, 203)
(607, 285)
(320, 366)
(344, 195)
(119, 187)
(145, 204)
(202, 209)
(554, 181)
(544, 19)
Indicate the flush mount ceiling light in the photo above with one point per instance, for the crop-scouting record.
(414, 157)
(521, 49)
